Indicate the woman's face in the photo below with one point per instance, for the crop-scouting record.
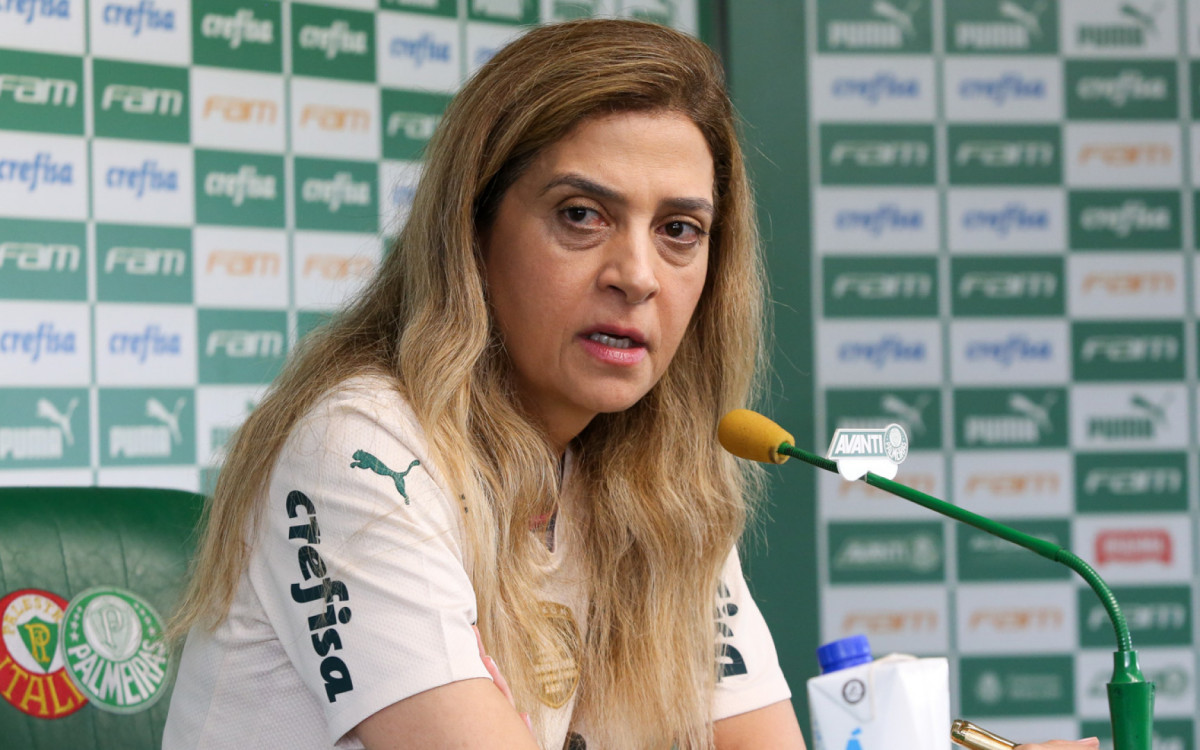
(595, 261)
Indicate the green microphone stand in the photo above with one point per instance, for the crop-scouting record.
(1130, 697)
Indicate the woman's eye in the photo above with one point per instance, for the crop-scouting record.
(683, 231)
(580, 214)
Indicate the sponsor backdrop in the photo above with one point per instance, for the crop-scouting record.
(1004, 219)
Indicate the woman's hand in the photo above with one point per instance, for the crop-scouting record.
(1091, 743)
(498, 678)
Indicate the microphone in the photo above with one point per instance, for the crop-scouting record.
(752, 436)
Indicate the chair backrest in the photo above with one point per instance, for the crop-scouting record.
(65, 541)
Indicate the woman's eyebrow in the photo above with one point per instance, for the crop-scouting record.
(579, 182)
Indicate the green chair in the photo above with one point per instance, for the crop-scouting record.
(67, 540)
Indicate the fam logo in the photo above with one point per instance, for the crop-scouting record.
(240, 346)
(42, 260)
(1120, 156)
(1118, 483)
(1125, 220)
(146, 427)
(31, 663)
(1012, 484)
(1041, 621)
(410, 118)
(1000, 418)
(335, 119)
(237, 34)
(886, 552)
(143, 264)
(877, 154)
(333, 43)
(888, 622)
(1015, 154)
(1128, 351)
(44, 427)
(884, 87)
(874, 26)
(1156, 616)
(237, 110)
(241, 267)
(1002, 26)
(1000, 286)
(141, 102)
(39, 257)
(40, 93)
(891, 287)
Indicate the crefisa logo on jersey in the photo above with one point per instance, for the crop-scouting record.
(858, 451)
(31, 664)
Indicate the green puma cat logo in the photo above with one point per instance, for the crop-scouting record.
(364, 460)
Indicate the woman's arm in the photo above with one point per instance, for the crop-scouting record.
(772, 727)
(466, 714)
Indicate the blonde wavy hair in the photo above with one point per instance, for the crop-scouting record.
(664, 502)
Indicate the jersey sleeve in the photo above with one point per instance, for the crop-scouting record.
(749, 676)
(359, 561)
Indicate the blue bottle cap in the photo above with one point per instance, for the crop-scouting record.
(844, 653)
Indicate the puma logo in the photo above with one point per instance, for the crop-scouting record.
(364, 460)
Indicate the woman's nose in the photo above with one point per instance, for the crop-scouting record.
(629, 267)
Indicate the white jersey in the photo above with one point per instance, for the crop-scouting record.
(356, 596)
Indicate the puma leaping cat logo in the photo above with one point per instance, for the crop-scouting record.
(364, 460)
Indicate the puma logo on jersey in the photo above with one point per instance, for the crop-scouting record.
(364, 460)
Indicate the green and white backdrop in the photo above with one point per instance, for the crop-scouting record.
(1002, 213)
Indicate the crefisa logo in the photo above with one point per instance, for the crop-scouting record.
(146, 177)
(28, 10)
(34, 173)
(883, 86)
(1012, 217)
(138, 17)
(420, 50)
(875, 221)
(1008, 86)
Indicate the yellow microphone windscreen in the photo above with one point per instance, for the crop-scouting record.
(750, 435)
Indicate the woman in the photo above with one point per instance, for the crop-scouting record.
(513, 428)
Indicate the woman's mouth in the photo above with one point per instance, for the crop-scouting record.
(617, 342)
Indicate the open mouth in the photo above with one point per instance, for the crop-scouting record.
(616, 342)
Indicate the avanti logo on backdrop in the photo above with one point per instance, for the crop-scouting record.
(1002, 26)
(1014, 154)
(147, 427)
(238, 189)
(333, 43)
(40, 93)
(880, 553)
(143, 264)
(42, 260)
(877, 154)
(141, 102)
(891, 287)
(1026, 685)
(1019, 418)
(1125, 220)
(874, 26)
(1121, 351)
(1004, 286)
(1124, 483)
(237, 34)
(983, 557)
(918, 411)
(44, 427)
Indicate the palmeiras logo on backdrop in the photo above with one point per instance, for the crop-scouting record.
(114, 650)
(1041, 685)
(41, 93)
(43, 260)
(31, 663)
(876, 450)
